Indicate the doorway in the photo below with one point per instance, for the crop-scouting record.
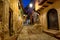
(10, 21)
(52, 19)
(1, 10)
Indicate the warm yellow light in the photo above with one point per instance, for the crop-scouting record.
(19, 18)
(37, 6)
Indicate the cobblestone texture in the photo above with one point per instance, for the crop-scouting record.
(25, 35)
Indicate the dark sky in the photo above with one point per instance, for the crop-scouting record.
(25, 3)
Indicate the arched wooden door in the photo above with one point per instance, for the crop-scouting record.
(52, 18)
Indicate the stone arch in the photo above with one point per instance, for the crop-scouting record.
(52, 19)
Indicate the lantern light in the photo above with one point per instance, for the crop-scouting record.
(30, 5)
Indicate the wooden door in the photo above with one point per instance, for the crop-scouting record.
(52, 19)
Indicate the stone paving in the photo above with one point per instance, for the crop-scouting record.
(25, 35)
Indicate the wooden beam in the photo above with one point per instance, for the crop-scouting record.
(42, 2)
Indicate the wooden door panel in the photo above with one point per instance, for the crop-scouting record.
(52, 19)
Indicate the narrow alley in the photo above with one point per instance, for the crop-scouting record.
(29, 19)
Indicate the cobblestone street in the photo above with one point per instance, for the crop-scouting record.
(37, 36)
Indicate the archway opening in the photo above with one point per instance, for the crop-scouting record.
(52, 19)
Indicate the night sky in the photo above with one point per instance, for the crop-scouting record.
(25, 3)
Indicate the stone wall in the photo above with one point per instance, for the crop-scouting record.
(17, 20)
(4, 17)
(4, 20)
(43, 16)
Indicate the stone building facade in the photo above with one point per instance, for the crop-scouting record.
(44, 12)
(8, 8)
(4, 22)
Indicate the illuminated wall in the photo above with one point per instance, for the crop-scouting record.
(43, 16)
(17, 20)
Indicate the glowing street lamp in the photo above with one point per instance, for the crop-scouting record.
(30, 5)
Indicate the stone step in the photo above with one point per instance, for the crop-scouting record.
(53, 33)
